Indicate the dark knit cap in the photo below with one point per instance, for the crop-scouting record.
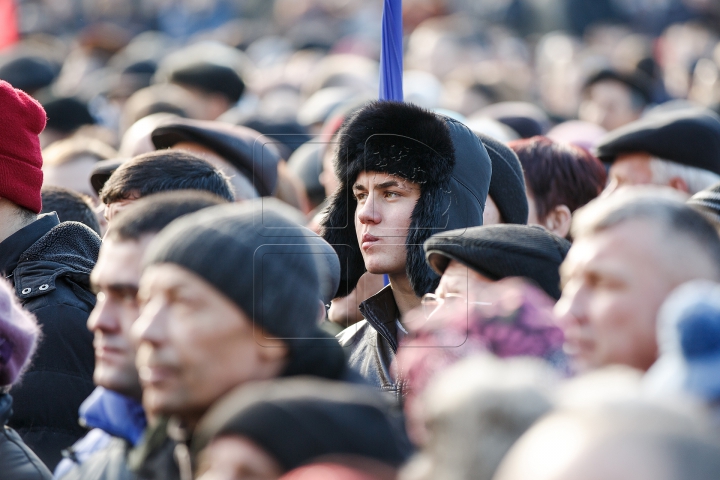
(212, 78)
(255, 257)
(299, 420)
(707, 202)
(507, 184)
(499, 251)
(688, 136)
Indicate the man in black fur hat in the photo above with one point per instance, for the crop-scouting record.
(405, 174)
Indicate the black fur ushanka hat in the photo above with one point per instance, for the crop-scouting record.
(442, 155)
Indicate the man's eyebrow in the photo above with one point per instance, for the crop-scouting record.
(389, 183)
(359, 186)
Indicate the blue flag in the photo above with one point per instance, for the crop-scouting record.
(391, 53)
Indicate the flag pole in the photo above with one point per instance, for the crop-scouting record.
(391, 52)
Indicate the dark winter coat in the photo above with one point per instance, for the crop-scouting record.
(372, 343)
(17, 461)
(49, 263)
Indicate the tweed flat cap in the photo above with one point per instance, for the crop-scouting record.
(500, 251)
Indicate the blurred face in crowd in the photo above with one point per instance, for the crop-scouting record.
(112, 209)
(74, 175)
(634, 169)
(609, 104)
(115, 279)
(235, 458)
(458, 284)
(195, 344)
(629, 169)
(614, 282)
(384, 206)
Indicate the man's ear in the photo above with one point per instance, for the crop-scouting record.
(558, 221)
(678, 184)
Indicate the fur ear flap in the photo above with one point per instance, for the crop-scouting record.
(338, 229)
(428, 218)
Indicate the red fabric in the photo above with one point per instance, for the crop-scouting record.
(8, 23)
(21, 121)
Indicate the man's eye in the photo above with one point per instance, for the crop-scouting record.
(391, 194)
(360, 196)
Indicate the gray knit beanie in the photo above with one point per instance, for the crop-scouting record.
(256, 257)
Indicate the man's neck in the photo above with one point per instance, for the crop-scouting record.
(404, 294)
(12, 219)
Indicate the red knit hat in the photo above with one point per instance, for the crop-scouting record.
(21, 121)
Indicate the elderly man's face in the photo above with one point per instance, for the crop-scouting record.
(614, 283)
(195, 344)
(629, 169)
(384, 208)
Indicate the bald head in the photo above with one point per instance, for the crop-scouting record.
(620, 443)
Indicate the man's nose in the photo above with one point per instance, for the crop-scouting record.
(368, 211)
(570, 309)
(102, 317)
(150, 325)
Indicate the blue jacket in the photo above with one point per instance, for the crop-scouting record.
(109, 414)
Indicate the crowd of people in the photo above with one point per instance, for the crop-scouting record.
(224, 258)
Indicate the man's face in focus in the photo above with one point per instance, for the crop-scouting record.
(384, 208)
(115, 280)
(195, 344)
(614, 282)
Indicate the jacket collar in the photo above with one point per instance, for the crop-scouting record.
(382, 314)
(116, 414)
(16, 244)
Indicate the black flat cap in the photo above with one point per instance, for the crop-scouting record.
(247, 150)
(102, 171)
(507, 183)
(500, 251)
(688, 136)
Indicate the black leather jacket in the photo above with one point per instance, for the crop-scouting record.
(372, 343)
(17, 461)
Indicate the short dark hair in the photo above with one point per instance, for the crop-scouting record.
(559, 173)
(163, 171)
(70, 206)
(151, 214)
